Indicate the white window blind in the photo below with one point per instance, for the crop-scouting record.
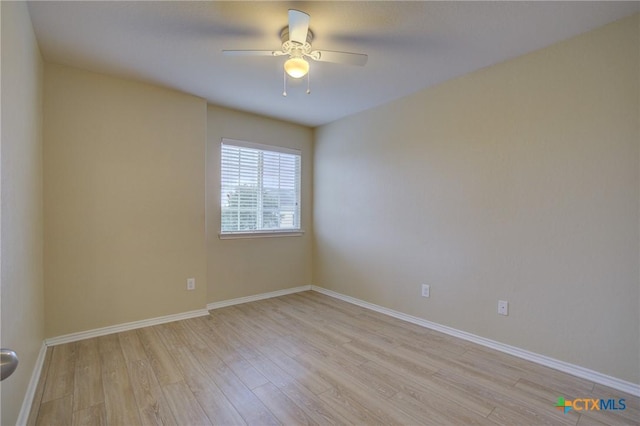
(260, 188)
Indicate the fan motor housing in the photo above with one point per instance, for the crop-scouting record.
(284, 35)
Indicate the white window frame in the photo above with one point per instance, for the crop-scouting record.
(282, 232)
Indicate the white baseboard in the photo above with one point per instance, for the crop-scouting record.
(575, 370)
(74, 337)
(256, 297)
(23, 416)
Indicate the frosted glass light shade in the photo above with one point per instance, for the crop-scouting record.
(296, 67)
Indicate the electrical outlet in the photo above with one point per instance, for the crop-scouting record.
(503, 307)
(191, 283)
(425, 290)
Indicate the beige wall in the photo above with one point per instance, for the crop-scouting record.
(124, 170)
(127, 253)
(517, 182)
(22, 287)
(245, 267)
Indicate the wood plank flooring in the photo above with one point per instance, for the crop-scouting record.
(304, 358)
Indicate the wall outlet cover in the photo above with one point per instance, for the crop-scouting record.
(503, 307)
(191, 283)
(425, 290)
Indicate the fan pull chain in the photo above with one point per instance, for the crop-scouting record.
(284, 83)
(284, 78)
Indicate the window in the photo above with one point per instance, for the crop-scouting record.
(260, 189)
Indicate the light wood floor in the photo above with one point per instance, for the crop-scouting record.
(303, 359)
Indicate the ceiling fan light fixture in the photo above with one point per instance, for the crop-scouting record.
(296, 44)
(296, 67)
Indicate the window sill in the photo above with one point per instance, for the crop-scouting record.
(260, 234)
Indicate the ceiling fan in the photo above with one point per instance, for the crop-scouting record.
(296, 42)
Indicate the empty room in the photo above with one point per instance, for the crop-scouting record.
(256, 213)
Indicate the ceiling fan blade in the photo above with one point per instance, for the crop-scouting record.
(359, 59)
(298, 26)
(252, 53)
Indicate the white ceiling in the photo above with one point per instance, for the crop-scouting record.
(411, 45)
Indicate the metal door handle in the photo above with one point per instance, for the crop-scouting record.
(8, 363)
